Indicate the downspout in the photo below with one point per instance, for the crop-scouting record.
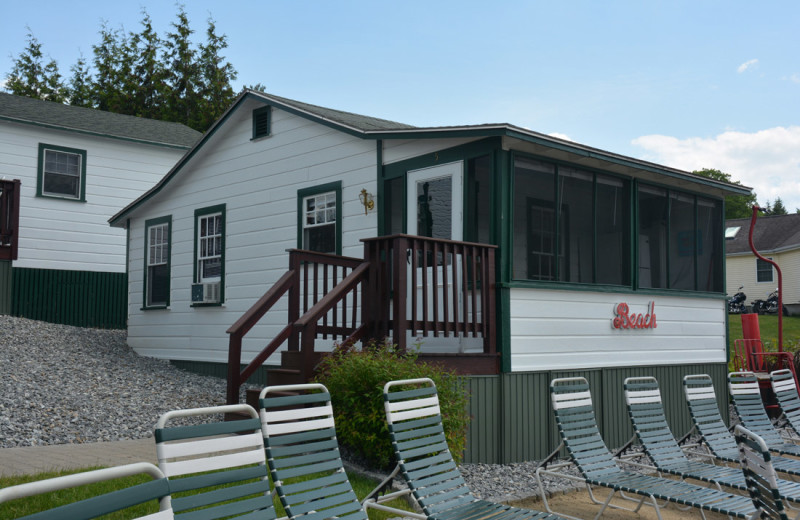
(756, 209)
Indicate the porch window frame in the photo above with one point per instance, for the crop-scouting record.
(148, 224)
(41, 173)
(303, 194)
(633, 286)
(198, 214)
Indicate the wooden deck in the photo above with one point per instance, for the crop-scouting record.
(410, 289)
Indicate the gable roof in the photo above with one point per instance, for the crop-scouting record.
(772, 234)
(90, 121)
(366, 127)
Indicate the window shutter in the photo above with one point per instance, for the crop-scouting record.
(260, 122)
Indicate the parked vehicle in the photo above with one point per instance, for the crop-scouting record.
(768, 306)
(736, 303)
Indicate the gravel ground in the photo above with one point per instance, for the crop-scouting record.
(62, 384)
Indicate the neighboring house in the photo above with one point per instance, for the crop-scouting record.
(776, 237)
(573, 252)
(63, 172)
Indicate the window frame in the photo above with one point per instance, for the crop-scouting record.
(303, 194)
(265, 111)
(198, 214)
(148, 224)
(40, 173)
(760, 263)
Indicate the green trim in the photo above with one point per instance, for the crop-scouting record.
(381, 189)
(40, 172)
(95, 134)
(258, 113)
(147, 225)
(302, 193)
(586, 287)
(725, 284)
(462, 152)
(201, 212)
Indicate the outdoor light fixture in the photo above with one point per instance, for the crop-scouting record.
(367, 200)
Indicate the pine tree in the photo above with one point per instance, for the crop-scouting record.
(30, 78)
(79, 90)
(216, 93)
(182, 72)
(778, 208)
(148, 72)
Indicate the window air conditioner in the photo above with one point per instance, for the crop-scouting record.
(205, 292)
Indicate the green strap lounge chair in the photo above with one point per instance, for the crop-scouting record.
(785, 389)
(152, 490)
(216, 468)
(425, 462)
(303, 453)
(574, 413)
(708, 423)
(747, 402)
(760, 475)
(643, 399)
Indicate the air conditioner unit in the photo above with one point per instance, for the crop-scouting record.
(205, 292)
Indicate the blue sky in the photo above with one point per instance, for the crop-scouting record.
(684, 83)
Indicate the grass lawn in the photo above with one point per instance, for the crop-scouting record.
(30, 505)
(768, 325)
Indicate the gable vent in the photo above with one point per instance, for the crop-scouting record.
(261, 122)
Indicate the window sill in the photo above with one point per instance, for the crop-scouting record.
(260, 138)
(218, 304)
(567, 286)
(57, 197)
(155, 308)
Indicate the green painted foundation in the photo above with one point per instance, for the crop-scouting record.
(6, 287)
(79, 298)
(512, 420)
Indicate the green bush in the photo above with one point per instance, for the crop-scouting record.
(355, 378)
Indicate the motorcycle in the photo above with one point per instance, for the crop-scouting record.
(736, 302)
(768, 306)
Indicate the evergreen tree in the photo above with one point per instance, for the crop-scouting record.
(183, 77)
(216, 93)
(778, 208)
(29, 77)
(148, 72)
(79, 90)
(107, 81)
(736, 206)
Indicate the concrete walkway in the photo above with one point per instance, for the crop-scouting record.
(29, 460)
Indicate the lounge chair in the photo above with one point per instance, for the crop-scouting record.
(704, 409)
(156, 489)
(216, 466)
(760, 475)
(785, 389)
(646, 411)
(574, 412)
(747, 402)
(425, 462)
(303, 453)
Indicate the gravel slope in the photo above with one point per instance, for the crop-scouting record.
(62, 384)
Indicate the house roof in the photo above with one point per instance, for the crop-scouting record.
(366, 127)
(90, 121)
(772, 234)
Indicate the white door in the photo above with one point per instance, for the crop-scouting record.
(435, 201)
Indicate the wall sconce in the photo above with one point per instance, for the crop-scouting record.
(366, 199)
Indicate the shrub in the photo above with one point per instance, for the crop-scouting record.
(355, 378)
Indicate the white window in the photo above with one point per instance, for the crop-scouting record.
(209, 248)
(319, 222)
(157, 285)
(61, 172)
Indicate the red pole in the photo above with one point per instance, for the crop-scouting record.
(756, 209)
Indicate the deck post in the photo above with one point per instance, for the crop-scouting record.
(400, 287)
(294, 299)
(234, 362)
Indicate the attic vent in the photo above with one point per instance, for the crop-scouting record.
(730, 232)
(261, 122)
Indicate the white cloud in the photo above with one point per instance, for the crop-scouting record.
(558, 135)
(767, 160)
(746, 65)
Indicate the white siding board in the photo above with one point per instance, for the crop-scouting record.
(567, 330)
(258, 181)
(396, 150)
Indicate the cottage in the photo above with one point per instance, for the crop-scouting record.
(63, 172)
(776, 237)
(510, 255)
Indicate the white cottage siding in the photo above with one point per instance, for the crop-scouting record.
(258, 182)
(565, 330)
(72, 235)
(396, 150)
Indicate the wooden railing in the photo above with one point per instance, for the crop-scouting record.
(324, 288)
(406, 287)
(9, 219)
(440, 288)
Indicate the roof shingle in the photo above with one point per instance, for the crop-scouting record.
(772, 233)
